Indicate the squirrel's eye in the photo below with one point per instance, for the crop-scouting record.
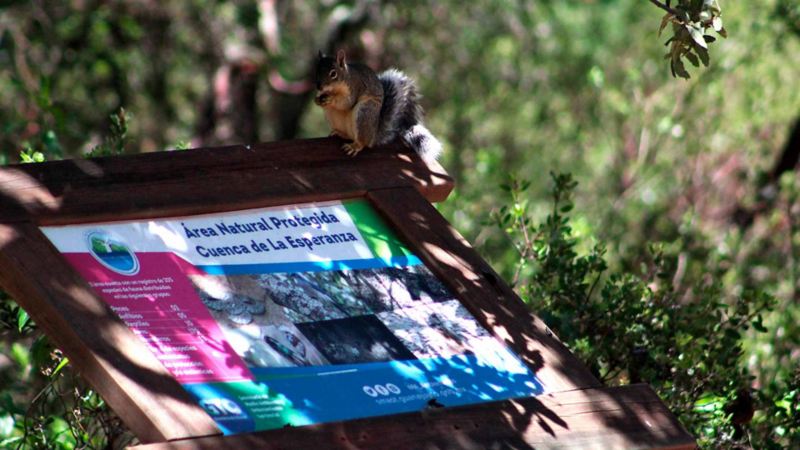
(333, 74)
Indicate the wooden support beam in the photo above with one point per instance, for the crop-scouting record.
(629, 417)
(207, 180)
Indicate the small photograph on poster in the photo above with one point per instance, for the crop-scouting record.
(435, 330)
(355, 340)
(326, 295)
(257, 329)
(390, 288)
(305, 297)
(348, 288)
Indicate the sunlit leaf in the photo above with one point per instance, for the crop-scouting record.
(61, 364)
(697, 35)
(6, 426)
(716, 23)
(22, 319)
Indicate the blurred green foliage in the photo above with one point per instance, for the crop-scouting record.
(685, 339)
(642, 265)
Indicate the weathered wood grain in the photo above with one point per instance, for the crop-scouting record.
(207, 180)
(480, 289)
(100, 346)
(630, 417)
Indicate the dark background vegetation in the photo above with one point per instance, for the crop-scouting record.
(668, 256)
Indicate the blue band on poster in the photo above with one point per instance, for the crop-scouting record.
(311, 266)
(342, 392)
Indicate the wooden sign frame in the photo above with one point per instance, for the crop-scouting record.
(575, 410)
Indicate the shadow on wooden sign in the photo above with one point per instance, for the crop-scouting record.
(575, 412)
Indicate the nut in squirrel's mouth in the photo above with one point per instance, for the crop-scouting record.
(321, 98)
(331, 92)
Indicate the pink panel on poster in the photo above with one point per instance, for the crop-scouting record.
(160, 305)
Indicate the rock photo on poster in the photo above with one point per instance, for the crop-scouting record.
(257, 328)
(355, 340)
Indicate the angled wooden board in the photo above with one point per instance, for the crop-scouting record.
(400, 188)
(630, 417)
(105, 351)
(207, 180)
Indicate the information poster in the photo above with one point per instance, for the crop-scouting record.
(293, 315)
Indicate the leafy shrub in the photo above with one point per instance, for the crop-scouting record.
(629, 326)
(44, 404)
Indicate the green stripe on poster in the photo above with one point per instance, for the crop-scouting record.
(383, 242)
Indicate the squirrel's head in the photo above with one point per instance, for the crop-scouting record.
(330, 69)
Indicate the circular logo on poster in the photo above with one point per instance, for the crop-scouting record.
(112, 254)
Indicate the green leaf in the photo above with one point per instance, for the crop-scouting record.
(732, 334)
(29, 155)
(51, 143)
(758, 324)
(61, 364)
(709, 402)
(20, 354)
(22, 319)
(6, 443)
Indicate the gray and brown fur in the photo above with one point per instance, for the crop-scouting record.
(351, 96)
(371, 109)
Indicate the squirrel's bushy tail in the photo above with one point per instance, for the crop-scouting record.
(401, 115)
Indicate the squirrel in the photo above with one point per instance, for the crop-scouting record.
(371, 109)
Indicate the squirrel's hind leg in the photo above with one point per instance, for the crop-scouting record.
(366, 113)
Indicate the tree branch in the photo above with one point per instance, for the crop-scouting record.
(666, 8)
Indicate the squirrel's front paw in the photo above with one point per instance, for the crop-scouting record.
(352, 148)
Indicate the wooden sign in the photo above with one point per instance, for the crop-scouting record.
(285, 295)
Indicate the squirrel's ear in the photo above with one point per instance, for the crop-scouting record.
(340, 59)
